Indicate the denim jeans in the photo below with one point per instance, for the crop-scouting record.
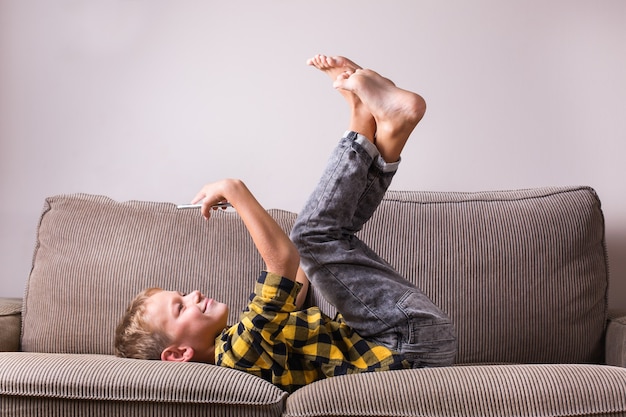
(373, 298)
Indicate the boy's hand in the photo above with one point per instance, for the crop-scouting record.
(210, 195)
(279, 253)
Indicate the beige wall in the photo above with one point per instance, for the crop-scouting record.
(149, 99)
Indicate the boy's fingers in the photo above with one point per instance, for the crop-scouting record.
(199, 197)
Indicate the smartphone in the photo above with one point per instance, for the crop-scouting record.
(192, 206)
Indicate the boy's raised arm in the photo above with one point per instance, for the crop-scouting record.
(278, 252)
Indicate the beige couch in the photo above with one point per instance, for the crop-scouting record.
(522, 273)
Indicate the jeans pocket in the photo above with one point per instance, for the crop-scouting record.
(430, 345)
(430, 337)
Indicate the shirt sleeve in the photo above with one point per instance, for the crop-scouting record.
(274, 293)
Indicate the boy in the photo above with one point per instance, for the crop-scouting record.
(394, 326)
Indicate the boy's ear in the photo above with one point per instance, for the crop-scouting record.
(177, 354)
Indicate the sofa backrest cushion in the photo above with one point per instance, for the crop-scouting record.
(93, 255)
(523, 273)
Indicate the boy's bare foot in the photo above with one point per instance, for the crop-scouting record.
(361, 119)
(395, 110)
(332, 65)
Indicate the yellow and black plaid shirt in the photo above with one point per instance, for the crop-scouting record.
(292, 348)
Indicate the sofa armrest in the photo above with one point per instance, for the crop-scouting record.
(616, 339)
(10, 324)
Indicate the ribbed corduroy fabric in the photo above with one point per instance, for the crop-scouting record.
(523, 274)
(107, 383)
(10, 323)
(93, 255)
(507, 391)
(616, 341)
(10, 306)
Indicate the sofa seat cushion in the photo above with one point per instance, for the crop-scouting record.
(498, 390)
(130, 387)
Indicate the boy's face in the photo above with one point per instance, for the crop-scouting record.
(191, 320)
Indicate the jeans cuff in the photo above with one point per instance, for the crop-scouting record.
(372, 151)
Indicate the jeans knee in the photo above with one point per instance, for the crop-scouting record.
(297, 237)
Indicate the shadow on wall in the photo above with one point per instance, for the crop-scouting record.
(616, 245)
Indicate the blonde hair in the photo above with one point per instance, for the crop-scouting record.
(135, 337)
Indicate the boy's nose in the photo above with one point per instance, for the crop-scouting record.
(194, 297)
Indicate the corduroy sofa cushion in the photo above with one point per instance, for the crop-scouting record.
(93, 255)
(94, 385)
(523, 273)
(501, 390)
